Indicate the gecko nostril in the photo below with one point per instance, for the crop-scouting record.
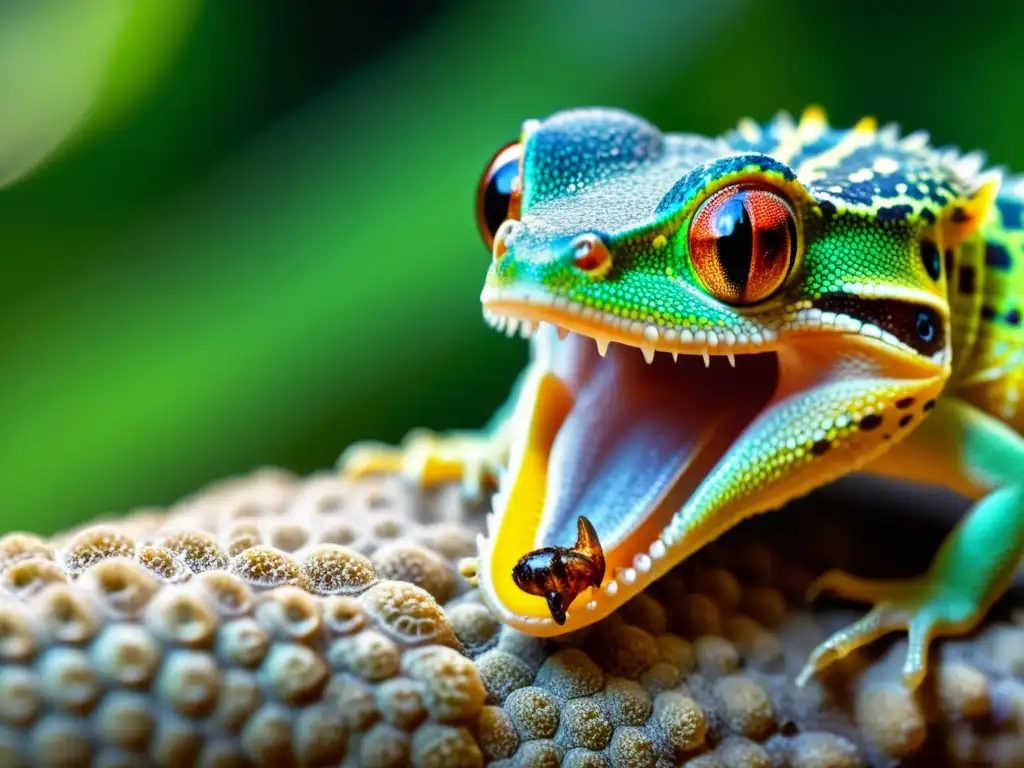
(500, 249)
(590, 254)
(501, 239)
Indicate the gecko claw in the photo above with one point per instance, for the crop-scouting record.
(559, 574)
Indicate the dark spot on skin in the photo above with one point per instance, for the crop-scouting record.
(959, 215)
(928, 215)
(925, 326)
(950, 259)
(871, 421)
(827, 208)
(906, 402)
(1012, 213)
(930, 259)
(988, 313)
(968, 280)
(929, 405)
(1013, 317)
(906, 419)
(861, 193)
(820, 447)
(887, 437)
(997, 257)
(894, 213)
(917, 326)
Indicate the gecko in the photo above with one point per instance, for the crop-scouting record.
(719, 325)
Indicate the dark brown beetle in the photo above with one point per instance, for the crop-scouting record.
(559, 574)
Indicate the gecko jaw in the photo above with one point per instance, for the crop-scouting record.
(550, 473)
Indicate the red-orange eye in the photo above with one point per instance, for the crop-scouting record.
(499, 191)
(743, 243)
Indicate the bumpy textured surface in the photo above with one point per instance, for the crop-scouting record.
(281, 621)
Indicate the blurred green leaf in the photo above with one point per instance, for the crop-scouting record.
(334, 261)
(57, 57)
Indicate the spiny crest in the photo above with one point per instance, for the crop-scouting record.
(868, 168)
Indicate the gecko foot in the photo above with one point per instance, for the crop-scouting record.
(915, 605)
(428, 460)
(560, 574)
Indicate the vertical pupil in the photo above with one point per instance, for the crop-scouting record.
(498, 195)
(735, 240)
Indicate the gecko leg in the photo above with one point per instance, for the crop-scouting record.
(979, 456)
(428, 459)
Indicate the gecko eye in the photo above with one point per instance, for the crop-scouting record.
(743, 243)
(498, 195)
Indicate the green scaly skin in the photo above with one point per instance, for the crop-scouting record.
(893, 345)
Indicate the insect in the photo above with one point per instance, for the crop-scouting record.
(559, 574)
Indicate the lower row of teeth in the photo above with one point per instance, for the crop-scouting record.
(642, 563)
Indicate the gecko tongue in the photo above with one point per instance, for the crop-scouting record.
(638, 432)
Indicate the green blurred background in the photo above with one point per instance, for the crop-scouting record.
(240, 232)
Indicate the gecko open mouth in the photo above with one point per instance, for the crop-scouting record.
(620, 437)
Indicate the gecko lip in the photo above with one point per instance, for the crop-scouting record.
(620, 435)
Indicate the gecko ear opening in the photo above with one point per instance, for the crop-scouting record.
(962, 218)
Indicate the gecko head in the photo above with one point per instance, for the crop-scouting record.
(718, 326)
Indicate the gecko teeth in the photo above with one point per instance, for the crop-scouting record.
(707, 342)
(649, 337)
(642, 563)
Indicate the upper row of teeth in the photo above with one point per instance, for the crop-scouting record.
(510, 326)
(650, 335)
